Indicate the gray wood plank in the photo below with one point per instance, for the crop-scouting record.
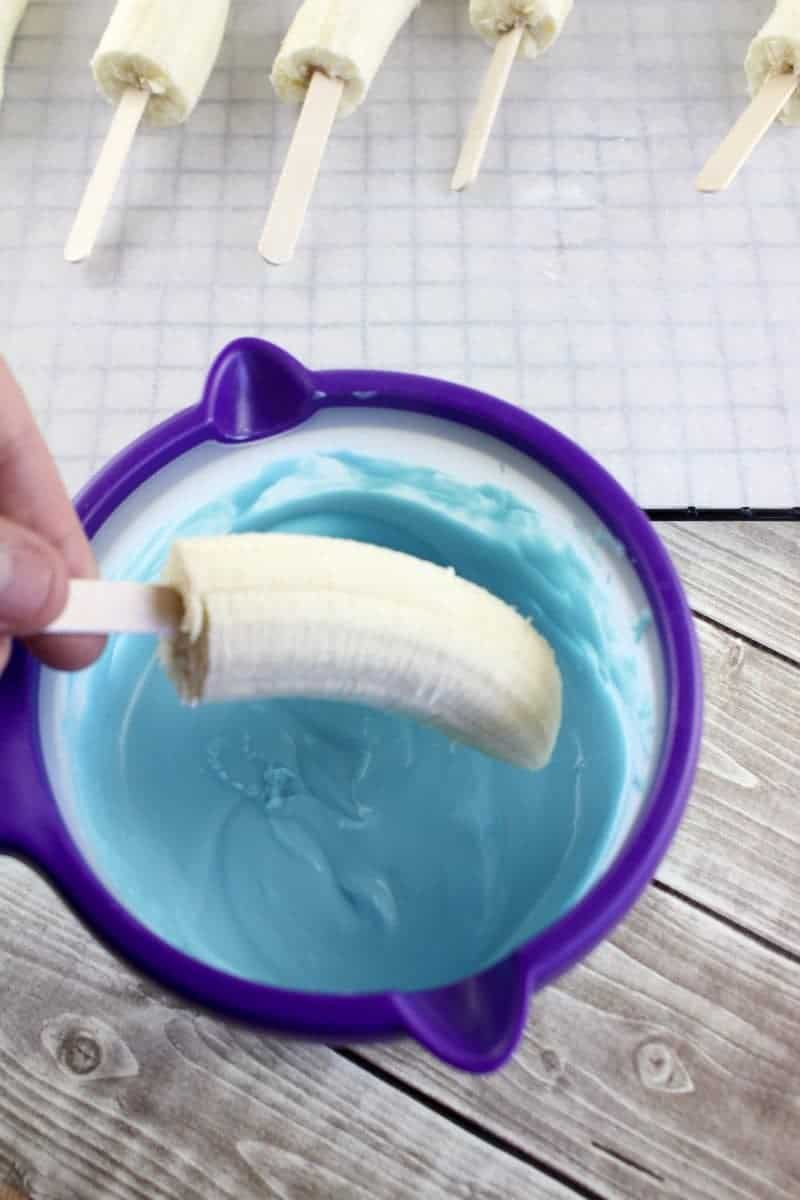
(109, 1089)
(738, 849)
(664, 1066)
(743, 575)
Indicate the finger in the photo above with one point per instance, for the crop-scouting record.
(66, 652)
(33, 494)
(33, 592)
(33, 581)
(31, 490)
(5, 653)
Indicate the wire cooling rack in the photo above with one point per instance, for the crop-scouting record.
(582, 278)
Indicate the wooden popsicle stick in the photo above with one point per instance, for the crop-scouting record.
(299, 176)
(98, 606)
(104, 178)
(484, 114)
(728, 159)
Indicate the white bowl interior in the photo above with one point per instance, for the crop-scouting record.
(472, 458)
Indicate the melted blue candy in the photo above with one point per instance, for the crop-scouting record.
(328, 847)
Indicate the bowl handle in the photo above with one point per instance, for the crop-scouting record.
(255, 390)
(474, 1025)
(25, 800)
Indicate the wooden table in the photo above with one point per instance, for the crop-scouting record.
(668, 1065)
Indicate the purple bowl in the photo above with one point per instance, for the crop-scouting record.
(255, 391)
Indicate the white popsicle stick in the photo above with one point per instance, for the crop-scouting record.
(484, 114)
(98, 606)
(104, 178)
(728, 159)
(299, 176)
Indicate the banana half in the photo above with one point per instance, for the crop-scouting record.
(11, 13)
(543, 21)
(278, 615)
(347, 39)
(775, 50)
(165, 47)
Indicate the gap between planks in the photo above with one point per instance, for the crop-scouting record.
(467, 1124)
(744, 576)
(627, 1161)
(746, 640)
(759, 939)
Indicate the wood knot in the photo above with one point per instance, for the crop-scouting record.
(551, 1063)
(79, 1052)
(86, 1048)
(660, 1070)
(736, 656)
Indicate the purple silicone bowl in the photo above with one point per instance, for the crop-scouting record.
(254, 391)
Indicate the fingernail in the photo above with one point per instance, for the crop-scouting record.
(26, 578)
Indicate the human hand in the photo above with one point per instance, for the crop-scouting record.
(42, 543)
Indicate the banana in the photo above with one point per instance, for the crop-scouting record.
(293, 615)
(346, 39)
(775, 50)
(11, 12)
(543, 21)
(166, 47)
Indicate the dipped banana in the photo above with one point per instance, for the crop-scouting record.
(292, 615)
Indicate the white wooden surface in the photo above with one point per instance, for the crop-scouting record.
(665, 1066)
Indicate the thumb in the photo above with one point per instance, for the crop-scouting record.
(33, 583)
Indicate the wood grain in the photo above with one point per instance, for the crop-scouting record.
(109, 1089)
(738, 849)
(665, 1066)
(744, 575)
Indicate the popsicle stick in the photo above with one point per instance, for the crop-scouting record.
(98, 606)
(299, 176)
(485, 111)
(728, 159)
(104, 178)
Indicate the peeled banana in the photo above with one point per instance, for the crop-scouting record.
(346, 39)
(775, 50)
(292, 615)
(166, 47)
(543, 21)
(11, 12)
